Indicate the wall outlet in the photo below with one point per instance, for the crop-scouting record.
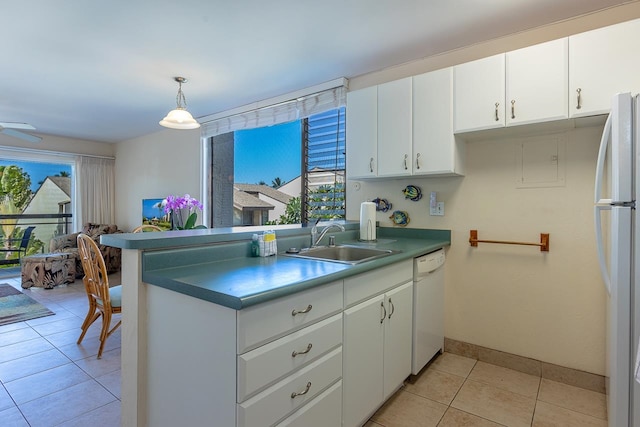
(438, 210)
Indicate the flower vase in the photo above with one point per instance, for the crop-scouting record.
(177, 218)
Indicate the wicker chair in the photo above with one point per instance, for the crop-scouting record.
(146, 227)
(103, 300)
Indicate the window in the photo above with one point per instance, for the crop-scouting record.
(283, 174)
(35, 190)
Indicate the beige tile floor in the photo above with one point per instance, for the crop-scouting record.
(46, 379)
(458, 391)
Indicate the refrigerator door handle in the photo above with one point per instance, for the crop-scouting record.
(604, 144)
(604, 271)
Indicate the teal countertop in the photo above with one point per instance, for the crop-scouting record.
(224, 274)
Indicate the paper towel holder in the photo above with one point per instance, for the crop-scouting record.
(370, 227)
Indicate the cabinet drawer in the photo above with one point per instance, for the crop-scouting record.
(264, 322)
(265, 365)
(365, 285)
(276, 402)
(324, 410)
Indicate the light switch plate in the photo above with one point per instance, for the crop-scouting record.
(438, 210)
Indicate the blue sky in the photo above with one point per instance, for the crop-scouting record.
(263, 154)
(37, 171)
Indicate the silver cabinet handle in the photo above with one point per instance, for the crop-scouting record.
(418, 161)
(393, 308)
(302, 393)
(371, 165)
(385, 311)
(579, 106)
(497, 105)
(513, 108)
(405, 161)
(306, 310)
(295, 353)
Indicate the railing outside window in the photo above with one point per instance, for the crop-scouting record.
(46, 226)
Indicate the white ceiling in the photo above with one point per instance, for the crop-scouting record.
(103, 70)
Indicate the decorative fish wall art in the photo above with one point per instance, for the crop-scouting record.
(412, 193)
(382, 205)
(400, 218)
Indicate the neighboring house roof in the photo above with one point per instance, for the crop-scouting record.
(266, 190)
(64, 182)
(242, 200)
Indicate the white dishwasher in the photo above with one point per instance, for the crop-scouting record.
(428, 308)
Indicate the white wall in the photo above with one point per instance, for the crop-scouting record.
(547, 306)
(152, 167)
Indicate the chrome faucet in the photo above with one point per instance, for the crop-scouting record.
(315, 238)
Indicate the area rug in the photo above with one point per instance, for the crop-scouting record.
(17, 307)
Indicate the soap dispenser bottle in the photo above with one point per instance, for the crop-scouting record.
(255, 246)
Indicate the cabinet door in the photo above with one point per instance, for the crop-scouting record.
(478, 100)
(602, 63)
(394, 128)
(435, 150)
(397, 337)
(362, 132)
(362, 362)
(537, 81)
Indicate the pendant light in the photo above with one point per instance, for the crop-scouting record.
(180, 118)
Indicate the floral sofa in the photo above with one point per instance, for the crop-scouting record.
(68, 243)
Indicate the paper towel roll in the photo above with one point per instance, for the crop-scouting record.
(368, 221)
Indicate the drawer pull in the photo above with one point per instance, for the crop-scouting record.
(302, 393)
(306, 310)
(295, 353)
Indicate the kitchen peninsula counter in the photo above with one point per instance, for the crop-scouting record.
(182, 294)
(222, 273)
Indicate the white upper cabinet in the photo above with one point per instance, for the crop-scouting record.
(603, 62)
(536, 83)
(524, 86)
(478, 88)
(394, 128)
(403, 128)
(435, 149)
(362, 133)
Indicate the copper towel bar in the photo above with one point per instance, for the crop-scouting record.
(544, 241)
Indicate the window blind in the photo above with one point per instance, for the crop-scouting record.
(282, 112)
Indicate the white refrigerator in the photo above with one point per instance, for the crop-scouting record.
(618, 243)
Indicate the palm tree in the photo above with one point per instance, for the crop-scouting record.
(277, 182)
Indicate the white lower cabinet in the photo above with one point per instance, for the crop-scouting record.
(377, 351)
(397, 337)
(325, 357)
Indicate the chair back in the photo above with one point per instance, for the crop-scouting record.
(146, 227)
(26, 236)
(95, 279)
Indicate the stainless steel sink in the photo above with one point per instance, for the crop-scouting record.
(343, 254)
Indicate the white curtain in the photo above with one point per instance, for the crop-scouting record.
(95, 191)
(283, 112)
